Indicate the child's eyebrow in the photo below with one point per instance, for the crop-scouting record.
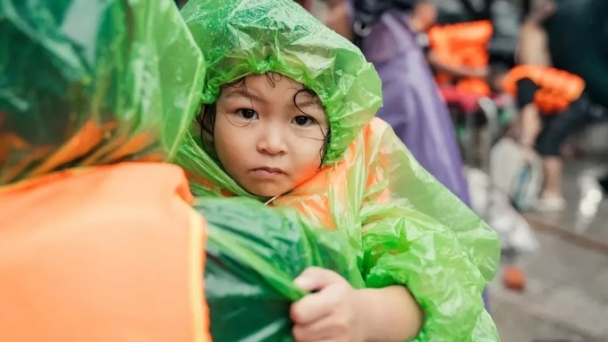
(307, 103)
(242, 92)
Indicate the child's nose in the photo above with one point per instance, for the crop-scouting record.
(272, 142)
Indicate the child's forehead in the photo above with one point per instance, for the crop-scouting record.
(302, 98)
(271, 80)
(269, 84)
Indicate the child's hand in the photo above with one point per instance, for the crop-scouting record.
(332, 313)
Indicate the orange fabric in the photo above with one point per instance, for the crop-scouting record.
(77, 146)
(558, 88)
(463, 45)
(474, 86)
(112, 253)
(90, 144)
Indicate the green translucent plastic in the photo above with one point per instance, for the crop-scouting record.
(396, 223)
(93, 82)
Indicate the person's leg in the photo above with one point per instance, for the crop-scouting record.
(529, 120)
(531, 125)
(557, 129)
(552, 184)
(548, 147)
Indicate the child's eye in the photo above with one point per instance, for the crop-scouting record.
(303, 120)
(247, 114)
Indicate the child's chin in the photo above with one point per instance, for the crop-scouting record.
(265, 193)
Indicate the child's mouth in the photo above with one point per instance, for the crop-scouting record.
(267, 172)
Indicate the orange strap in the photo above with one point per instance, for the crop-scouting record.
(558, 88)
(104, 254)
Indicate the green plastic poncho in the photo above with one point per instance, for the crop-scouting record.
(403, 227)
(253, 255)
(90, 83)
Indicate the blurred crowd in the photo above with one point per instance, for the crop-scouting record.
(500, 52)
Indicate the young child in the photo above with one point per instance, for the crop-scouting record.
(287, 119)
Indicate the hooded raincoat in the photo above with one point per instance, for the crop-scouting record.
(402, 225)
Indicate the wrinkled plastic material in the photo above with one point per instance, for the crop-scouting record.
(403, 226)
(241, 38)
(83, 83)
(253, 255)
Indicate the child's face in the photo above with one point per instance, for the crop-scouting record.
(269, 133)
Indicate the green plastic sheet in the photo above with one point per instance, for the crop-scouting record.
(93, 82)
(400, 224)
(253, 255)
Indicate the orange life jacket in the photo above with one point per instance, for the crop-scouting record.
(463, 45)
(112, 253)
(557, 88)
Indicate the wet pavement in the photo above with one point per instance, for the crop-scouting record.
(566, 298)
(587, 211)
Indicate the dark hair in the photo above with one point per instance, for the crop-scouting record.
(206, 117)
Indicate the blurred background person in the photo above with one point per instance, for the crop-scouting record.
(388, 33)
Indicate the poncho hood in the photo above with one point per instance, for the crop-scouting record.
(245, 37)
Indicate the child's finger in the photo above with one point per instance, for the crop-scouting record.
(310, 309)
(321, 330)
(316, 278)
